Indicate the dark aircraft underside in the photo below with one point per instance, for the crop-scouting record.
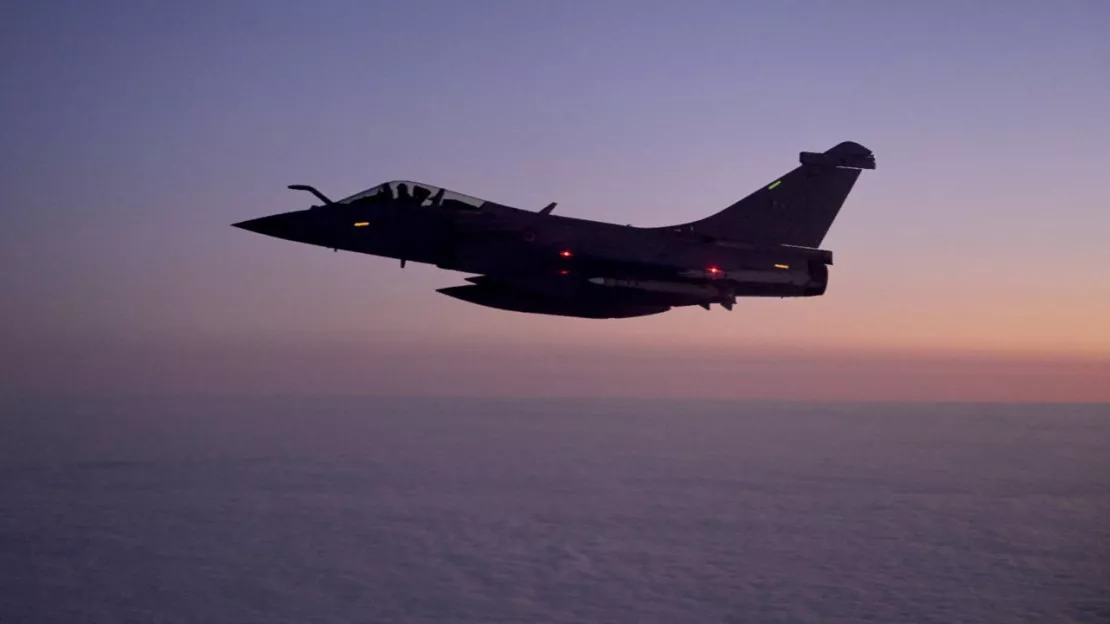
(504, 298)
(560, 296)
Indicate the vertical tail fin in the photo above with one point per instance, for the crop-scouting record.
(796, 209)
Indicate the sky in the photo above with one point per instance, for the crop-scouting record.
(973, 264)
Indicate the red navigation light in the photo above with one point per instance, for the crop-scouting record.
(564, 272)
(713, 270)
(565, 253)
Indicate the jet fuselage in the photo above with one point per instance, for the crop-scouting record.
(546, 263)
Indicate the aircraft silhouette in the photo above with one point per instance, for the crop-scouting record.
(765, 245)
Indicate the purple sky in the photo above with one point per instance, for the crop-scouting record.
(972, 264)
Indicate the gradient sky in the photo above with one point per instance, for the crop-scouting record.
(973, 264)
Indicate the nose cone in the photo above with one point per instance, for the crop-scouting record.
(290, 226)
(257, 226)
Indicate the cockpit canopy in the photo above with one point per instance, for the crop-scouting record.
(416, 194)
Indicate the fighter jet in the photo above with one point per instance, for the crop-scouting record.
(765, 245)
